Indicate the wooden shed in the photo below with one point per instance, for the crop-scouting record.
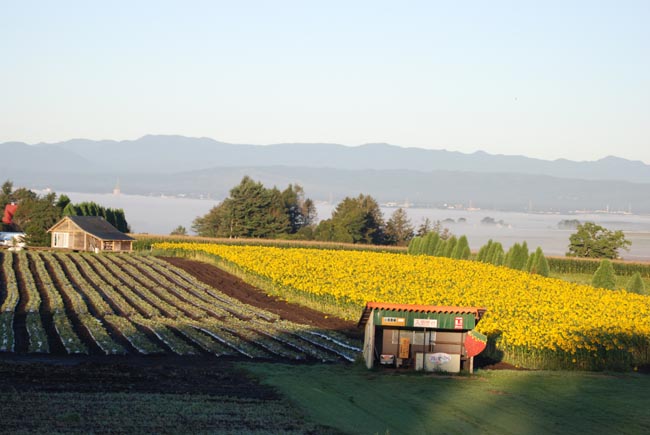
(423, 337)
(89, 233)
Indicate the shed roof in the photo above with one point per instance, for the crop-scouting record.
(370, 306)
(96, 226)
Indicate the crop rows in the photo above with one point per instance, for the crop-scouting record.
(117, 304)
(8, 305)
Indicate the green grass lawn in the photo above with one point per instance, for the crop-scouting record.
(357, 401)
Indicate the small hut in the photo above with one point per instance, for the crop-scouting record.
(423, 337)
(89, 233)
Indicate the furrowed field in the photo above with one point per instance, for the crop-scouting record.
(532, 321)
(67, 303)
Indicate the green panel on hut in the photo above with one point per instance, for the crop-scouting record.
(384, 317)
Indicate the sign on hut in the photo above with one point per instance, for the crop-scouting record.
(423, 337)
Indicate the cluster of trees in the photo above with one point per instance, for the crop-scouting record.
(252, 210)
(605, 277)
(35, 214)
(445, 245)
(38, 213)
(439, 246)
(114, 216)
(517, 257)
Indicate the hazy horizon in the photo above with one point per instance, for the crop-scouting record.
(548, 81)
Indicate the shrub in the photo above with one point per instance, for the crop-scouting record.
(605, 277)
(636, 284)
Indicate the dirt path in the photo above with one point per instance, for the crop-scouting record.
(238, 289)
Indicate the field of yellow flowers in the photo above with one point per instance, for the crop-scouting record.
(532, 321)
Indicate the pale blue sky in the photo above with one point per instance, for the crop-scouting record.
(548, 79)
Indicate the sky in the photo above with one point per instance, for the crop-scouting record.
(546, 79)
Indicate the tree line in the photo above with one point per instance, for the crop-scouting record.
(38, 213)
(254, 211)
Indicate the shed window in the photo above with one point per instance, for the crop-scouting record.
(60, 240)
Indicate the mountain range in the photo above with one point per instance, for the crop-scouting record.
(201, 166)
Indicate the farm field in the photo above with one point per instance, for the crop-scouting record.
(179, 393)
(138, 395)
(84, 304)
(135, 395)
(532, 321)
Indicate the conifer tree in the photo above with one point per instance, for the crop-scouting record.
(460, 249)
(433, 239)
(531, 263)
(411, 246)
(541, 263)
(636, 285)
(441, 247)
(605, 276)
(489, 254)
(450, 245)
(483, 251)
(498, 255)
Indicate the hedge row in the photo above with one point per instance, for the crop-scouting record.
(589, 266)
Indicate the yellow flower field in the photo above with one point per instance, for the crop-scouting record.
(529, 313)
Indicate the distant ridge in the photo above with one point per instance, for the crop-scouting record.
(164, 154)
(200, 167)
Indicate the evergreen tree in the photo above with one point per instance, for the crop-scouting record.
(605, 276)
(301, 212)
(356, 220)
(5, 193)
(399, 230)
(252, 210)
(490, 253)
(524, 256)
(517, 256)
(430, 243)
(498, 255)
(541, 263)
(531, 263)
(483, 252)
(413, 246)
(636, 284)
(113, 216)
(450, 245)
(441, 248)
(424, 228)
(35, 215)
(461, 250)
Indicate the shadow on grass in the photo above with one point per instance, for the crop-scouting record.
(355, 400)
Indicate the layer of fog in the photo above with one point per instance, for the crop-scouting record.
(160, 215)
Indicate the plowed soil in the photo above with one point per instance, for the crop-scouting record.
(238, 289)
